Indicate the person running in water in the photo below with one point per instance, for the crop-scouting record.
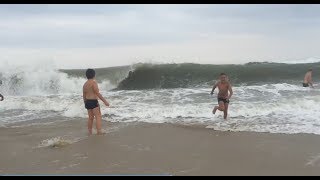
(308, 79)
(224, 87)
(2, 98)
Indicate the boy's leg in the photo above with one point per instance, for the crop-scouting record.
(90, 121)
(221, 106)
(226, 105)
(215, 109)
(97, 114)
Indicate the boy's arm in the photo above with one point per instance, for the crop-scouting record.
(310, 81)
(96, 91)
(84, 96)
(214, 87)
(311, 84)
(230, 90)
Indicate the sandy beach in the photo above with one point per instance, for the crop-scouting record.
(154, 149)
(158, 75)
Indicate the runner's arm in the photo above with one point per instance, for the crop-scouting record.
(231, 91)
(214, 87)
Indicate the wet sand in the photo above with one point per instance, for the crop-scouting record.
(155, 149)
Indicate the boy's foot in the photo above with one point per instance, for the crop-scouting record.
(214, 111)
(101, 133)
(89, 133)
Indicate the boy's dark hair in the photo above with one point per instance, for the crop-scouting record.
(221, 74)
(90, 73)
(310, 69)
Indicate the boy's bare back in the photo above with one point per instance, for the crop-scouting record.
(308, 77)
(88, 89)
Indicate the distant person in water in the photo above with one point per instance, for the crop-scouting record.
(90, 97)
(2, 98)
(224, 87)
(308, 79)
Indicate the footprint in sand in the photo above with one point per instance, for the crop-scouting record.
(80, 156)
(315, 161)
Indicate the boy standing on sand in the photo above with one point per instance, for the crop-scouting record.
(90, 97)
(223, 98)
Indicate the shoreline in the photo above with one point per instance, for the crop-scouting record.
(154, 149)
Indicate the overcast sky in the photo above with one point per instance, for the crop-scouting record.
(82, 36)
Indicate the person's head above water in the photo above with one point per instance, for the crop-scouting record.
(223, 77)
(90, 73)
(310, 69)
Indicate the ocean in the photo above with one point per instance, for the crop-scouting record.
(268, 97)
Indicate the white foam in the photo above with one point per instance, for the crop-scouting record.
(275, 108)
(314, 161)
(55, 142)
(40, 81)
(302, 61)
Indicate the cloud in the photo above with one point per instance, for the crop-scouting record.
(226, 49)
(71, 26)
(121, 34)
(90, 30)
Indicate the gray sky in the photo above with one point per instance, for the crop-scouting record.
(82, 36)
